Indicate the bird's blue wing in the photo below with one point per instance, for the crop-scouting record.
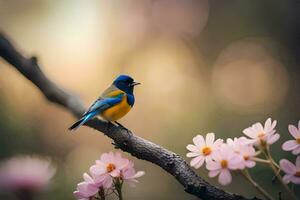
(102, 104)
(111, 91)
(97, 107)
(109, 97)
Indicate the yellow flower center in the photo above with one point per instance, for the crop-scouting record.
(246, 157)
(261, 135)
(261, 139)
(110, 167)
(297, 174)
(298, 140)
(224, 163)
(206, 151)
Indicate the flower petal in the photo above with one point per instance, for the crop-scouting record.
(107, 183)
(213, 173)
(289, 145)
(192, 148)
(250, 163)
(208, 158)
(212, 165)
(200, 163)
(258, 127)
(274, 123)
(199, 140)
(296, 151)
(122, 163)
(195, 161)
(273, 138)
(287, 178)
(217, 143)
(97, 170)
(87, 190)
(249, 132)
(268, 124)
(298, 163)
(229, 141)
(210, 137)
(217, 155)
(139, 174)
(225, 177)
(87, 178)
(236, 162)
(294, 131)
(78, 195)
(295, 180)
(192, 154)
(106, 157)
(115, 173)
(287, 166)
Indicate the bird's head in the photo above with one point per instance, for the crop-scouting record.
(125, 83)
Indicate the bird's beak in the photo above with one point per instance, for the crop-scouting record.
(135, 83)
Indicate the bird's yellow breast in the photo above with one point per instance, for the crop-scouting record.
(117, 111)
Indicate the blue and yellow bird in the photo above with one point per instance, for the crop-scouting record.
(114, 103)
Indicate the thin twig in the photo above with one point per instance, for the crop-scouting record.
(248, 177)
(274, 166)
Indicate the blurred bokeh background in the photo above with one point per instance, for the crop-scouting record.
(205, 66)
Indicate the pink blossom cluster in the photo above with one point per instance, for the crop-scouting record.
(110, 170)
(222, 157)
(30, 173)
(292, 171)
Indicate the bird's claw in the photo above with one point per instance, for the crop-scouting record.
(110, 123)
(120, 125)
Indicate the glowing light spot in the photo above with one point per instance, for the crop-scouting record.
(246, 75)
(185, 18)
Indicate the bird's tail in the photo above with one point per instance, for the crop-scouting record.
(84, 119)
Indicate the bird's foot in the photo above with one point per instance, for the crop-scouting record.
(110, 123)
(124, 128)
(120, 125)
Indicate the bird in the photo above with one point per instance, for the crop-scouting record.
(113, 104)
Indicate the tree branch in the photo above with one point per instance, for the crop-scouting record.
(123, 139)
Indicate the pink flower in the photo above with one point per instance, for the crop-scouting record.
(107, 175)
(26, 173)
(108, 167)
(241, 147)
(236, 143)
(202, 149)
(223, 161)
(263, 135)
(293, 145)
(129, 174)
(292, 171)
(86, 189)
